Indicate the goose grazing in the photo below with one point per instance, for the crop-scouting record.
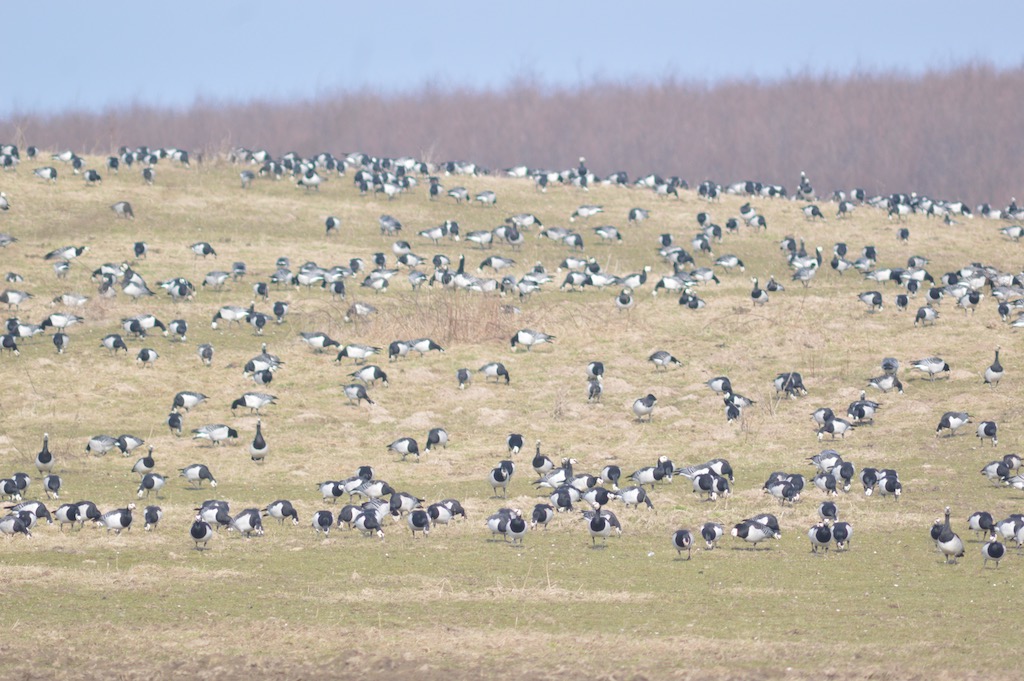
(174, 422)
(585, 212)
(950, 545)
(842, 533)
(437, 437)
(463, 377)
(711, 533)
(253, 401)
(322, 522)
(47, 173)
(151, 482)
(952, 421)
(215, 433)
(997, 472)
(862, 410)
(202, 249)
(528, 338)
(196, 473)
(981, 522)
(827, 510)
(100, 444)
(791, 383)
(886, 383)
(60, 341)
(988, 429)
(931, 366)
(113, 343)
(926, 315)
(542, 515)
(419, 521)
(514, 442)
(44, 459)
(356, 393)
(247, 523)
(758, 295)
(66, 514)
(662, 359)
(13, 524)
(318, 341)
(117, 520)
(405, 446)
(836, 426)
(644, 406)
(682, 540)
(754, 532)
(822, 415)
(820, 535)
(994, 373)
(992, 550)
(710, 483)
(146, 357)
(873, 299)
(495, 370)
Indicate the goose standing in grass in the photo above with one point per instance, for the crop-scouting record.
(842, 533)
(528, 338)
(820, 535)
(950, 545)
(44, 459)
(981, 522)
(625, 300)
(500, 476)
(952, 421)
(682, 540)
(601, 523)
(931, 366)
(994, 373)
(145, 464)
(992, 550)
(758, 296)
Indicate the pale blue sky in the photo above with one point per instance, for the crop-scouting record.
(66, 55)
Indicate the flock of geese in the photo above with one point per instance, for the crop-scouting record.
(564, 489)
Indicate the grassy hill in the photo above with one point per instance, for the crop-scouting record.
(86, 603)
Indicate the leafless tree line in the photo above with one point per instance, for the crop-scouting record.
(953, 134)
